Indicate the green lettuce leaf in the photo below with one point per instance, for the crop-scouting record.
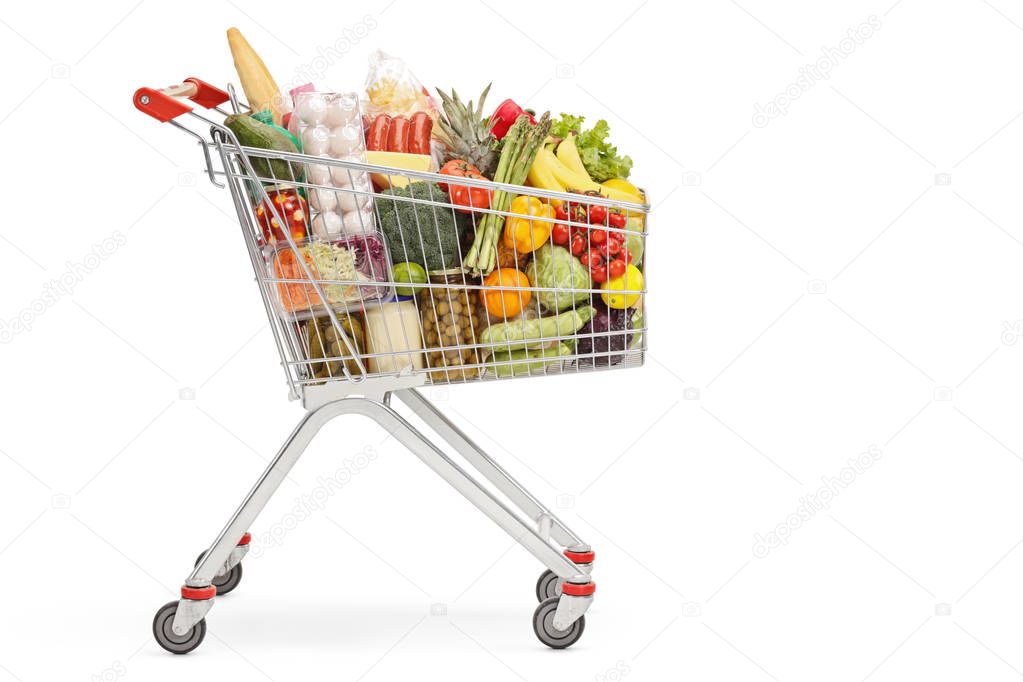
(598, 155)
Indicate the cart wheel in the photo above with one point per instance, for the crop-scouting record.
(227, 582)
(165, 637)
(549, 585)
(543, 626)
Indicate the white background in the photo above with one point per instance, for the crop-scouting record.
(845, 277)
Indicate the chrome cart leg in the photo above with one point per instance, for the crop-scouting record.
(548, 525)
(484, 500)
(180, 626)
(177, 631)
(558, 621)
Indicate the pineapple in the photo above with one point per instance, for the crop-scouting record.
(467, 135)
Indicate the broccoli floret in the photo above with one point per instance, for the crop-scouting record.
(417, 232)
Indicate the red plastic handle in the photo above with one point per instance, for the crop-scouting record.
(164, 106)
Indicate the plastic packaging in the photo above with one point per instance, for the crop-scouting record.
(329, 125)
(393, 328)
(392, 88)
(346, 270)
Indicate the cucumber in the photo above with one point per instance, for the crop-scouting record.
(266, 116)
(528, 361)
(252, 133)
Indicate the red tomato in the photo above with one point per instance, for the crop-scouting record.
(578, 245)
(598, 236)
(617, 219)
(598, 215)
(625, 255)
(599, 274)
(560, 234)
(470, 197)
(612, 247)
(616, 268)
(560, 213)
(292, 208)
(592, 258)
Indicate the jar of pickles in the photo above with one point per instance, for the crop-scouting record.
(322, 341)
(451, 322)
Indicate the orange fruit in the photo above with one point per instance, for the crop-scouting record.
(506, 303)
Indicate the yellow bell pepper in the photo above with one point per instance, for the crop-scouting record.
(524, 234)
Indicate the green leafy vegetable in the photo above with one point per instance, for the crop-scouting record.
(405, 222)
(553, 267)
(598, 155)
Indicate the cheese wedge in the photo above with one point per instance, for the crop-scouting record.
(413, 162)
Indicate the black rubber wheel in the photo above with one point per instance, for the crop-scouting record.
(165, 637)
(227, 582)
(549, 585)
(543, 619)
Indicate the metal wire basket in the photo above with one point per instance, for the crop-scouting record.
(340, 314)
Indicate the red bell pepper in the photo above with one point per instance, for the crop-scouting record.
(505, 115)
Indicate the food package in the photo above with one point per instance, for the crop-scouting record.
(329, 125)
(321, 340)
(392, 89)
(348, 271)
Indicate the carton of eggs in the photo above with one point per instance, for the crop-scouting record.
(329, 124)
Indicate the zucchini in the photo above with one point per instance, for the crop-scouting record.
(538, 360)
(519, 334)
(252, 133)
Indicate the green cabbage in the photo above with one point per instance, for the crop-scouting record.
(554, 267)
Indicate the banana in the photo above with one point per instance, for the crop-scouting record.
(568, 154)
(540, 174)
(551, 173)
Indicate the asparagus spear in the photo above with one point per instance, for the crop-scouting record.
(521, 146)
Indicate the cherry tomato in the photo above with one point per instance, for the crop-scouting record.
(598, 236)
(617, 219)
(560, 213)
(560, 234)
(613, 247)
(578, 245)
(598, 215)
(625, 255)
(599, 274)
(616, 268)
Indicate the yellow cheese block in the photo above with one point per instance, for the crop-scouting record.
(413, 162)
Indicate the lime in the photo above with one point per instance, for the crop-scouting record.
(411, 273)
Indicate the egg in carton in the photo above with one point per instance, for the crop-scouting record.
(329, 125)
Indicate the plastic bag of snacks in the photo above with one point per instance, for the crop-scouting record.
(392, 88)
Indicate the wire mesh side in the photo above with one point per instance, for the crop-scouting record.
(388, 288)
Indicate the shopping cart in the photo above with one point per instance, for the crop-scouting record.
(355, 330)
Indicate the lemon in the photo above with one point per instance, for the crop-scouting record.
(631, 281)
(413, 273)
